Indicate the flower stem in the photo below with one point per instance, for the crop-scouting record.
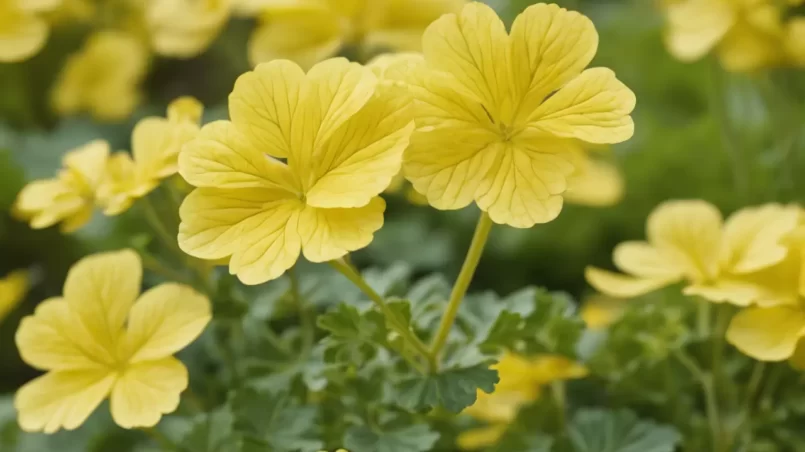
(403, 330)
(152, 216)
(560, 398)
(711, 404)
(462, 284)
(305, 320)
(730, 140)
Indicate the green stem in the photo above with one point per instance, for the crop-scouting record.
(152, 216)
(462, 284)
(404, 331)
(711, 404)
(560, 398)
(731, 145)
(305, 320)
(158, 437)
(155, 266)
(703, 314)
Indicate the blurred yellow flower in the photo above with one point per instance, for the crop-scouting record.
(496, 113)
(746, 34)
(12, 290)
(156, 143)
(600, 311)
(686, 241)
(343, 140)
(308, 31)
(103, 78)
(69, 198)
(103, 339)
(596, 182)
(23, 30)
(521, 382)
(185, 28)
(795, 41)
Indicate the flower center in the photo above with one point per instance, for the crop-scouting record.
(506, 132)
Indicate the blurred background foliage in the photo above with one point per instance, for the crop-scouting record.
(731, 139)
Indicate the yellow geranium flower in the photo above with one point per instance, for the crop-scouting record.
(12, 290)
(103, 78)
(310, 31)
(687, 241)
(343, 140)
(100, 340)
(795, 41)
(23, 30)
(156, 143)
(596, 182)
(497, 112)
(521, 382)
(600, 311)
(185, 28)
(69, 198)
(746, 34)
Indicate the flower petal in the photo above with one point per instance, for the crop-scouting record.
(555, 46)
(223, 157)
(263, 103)
(61, 399)
(481, 437)
(362, 157)
(696, 26)
(622, 286)
(257, 227)
(22, 36)
(642, 259)
(147, 390)
(305, 36)
(328, 234)
(767, 334)
(88, 161)
(596, 183)
(752, 237)
(447, 165)
(473, 46)
(100, 290)
(13, 288)
(746, 48)
(155, 144)
(164, 320)
(593, 107)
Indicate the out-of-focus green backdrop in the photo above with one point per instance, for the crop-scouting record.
(678, 151)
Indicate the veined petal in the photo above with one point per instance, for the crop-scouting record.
(263, 103)
(100, 290)
(753, 236)
(623, 286)
(257, 227)
(443, 102)
(51, 339)
(61, 399)
(88, 161)
(338, 90)
(362, 157)
(147, 390)
(448, 165)
(735, 291)
(767, 334)
(688, 233)
(155, 144)
(473, 46)
(523, 187)
(328, 234)
(223, 157)
(555, 44)
(642, 259)
(696, 26)
(593, 107)
(164, 320)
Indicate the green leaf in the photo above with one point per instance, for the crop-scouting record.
(453, 389)
(414, 438)
(599, 430)
(275, 421)
(212, 432)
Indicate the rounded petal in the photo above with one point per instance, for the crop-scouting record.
(88, 161)
(482, 437)
(753, 236)
(596, 184)
(642, 259)
(404, 21)
(61, 399)
(100, 290)
(737, 292)
(767, 334)
(13, 289)
(696, 26)
(164, 320)
(263, 103)
(556, 45)
(622, 286)
(257, 227)
(52, 339)
(223, 157)
(185, 109)
(688, 233)
(746, 48)
(147, 390)
(593, 107)
(21, 36)
(328, 234)
(155, 147)
(181, 29)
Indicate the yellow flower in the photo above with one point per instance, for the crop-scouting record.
(686, 241)
(596, 182)
(68, 199)
(23, 31)
(310, 31)
(12, 290)
(746, 34)
(156, 143)
(99, 339)
(185, 28)
(795, 41)
(497, 113)
(103, 78)
(343, 139)
(521, 381)
(600, 311)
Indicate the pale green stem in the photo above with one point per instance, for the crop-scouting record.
(711, 404)
(305, 320)
(560, 398)
(462, 284)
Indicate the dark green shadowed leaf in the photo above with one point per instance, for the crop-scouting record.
(599, 430)
(414, 438)
(453, 389)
